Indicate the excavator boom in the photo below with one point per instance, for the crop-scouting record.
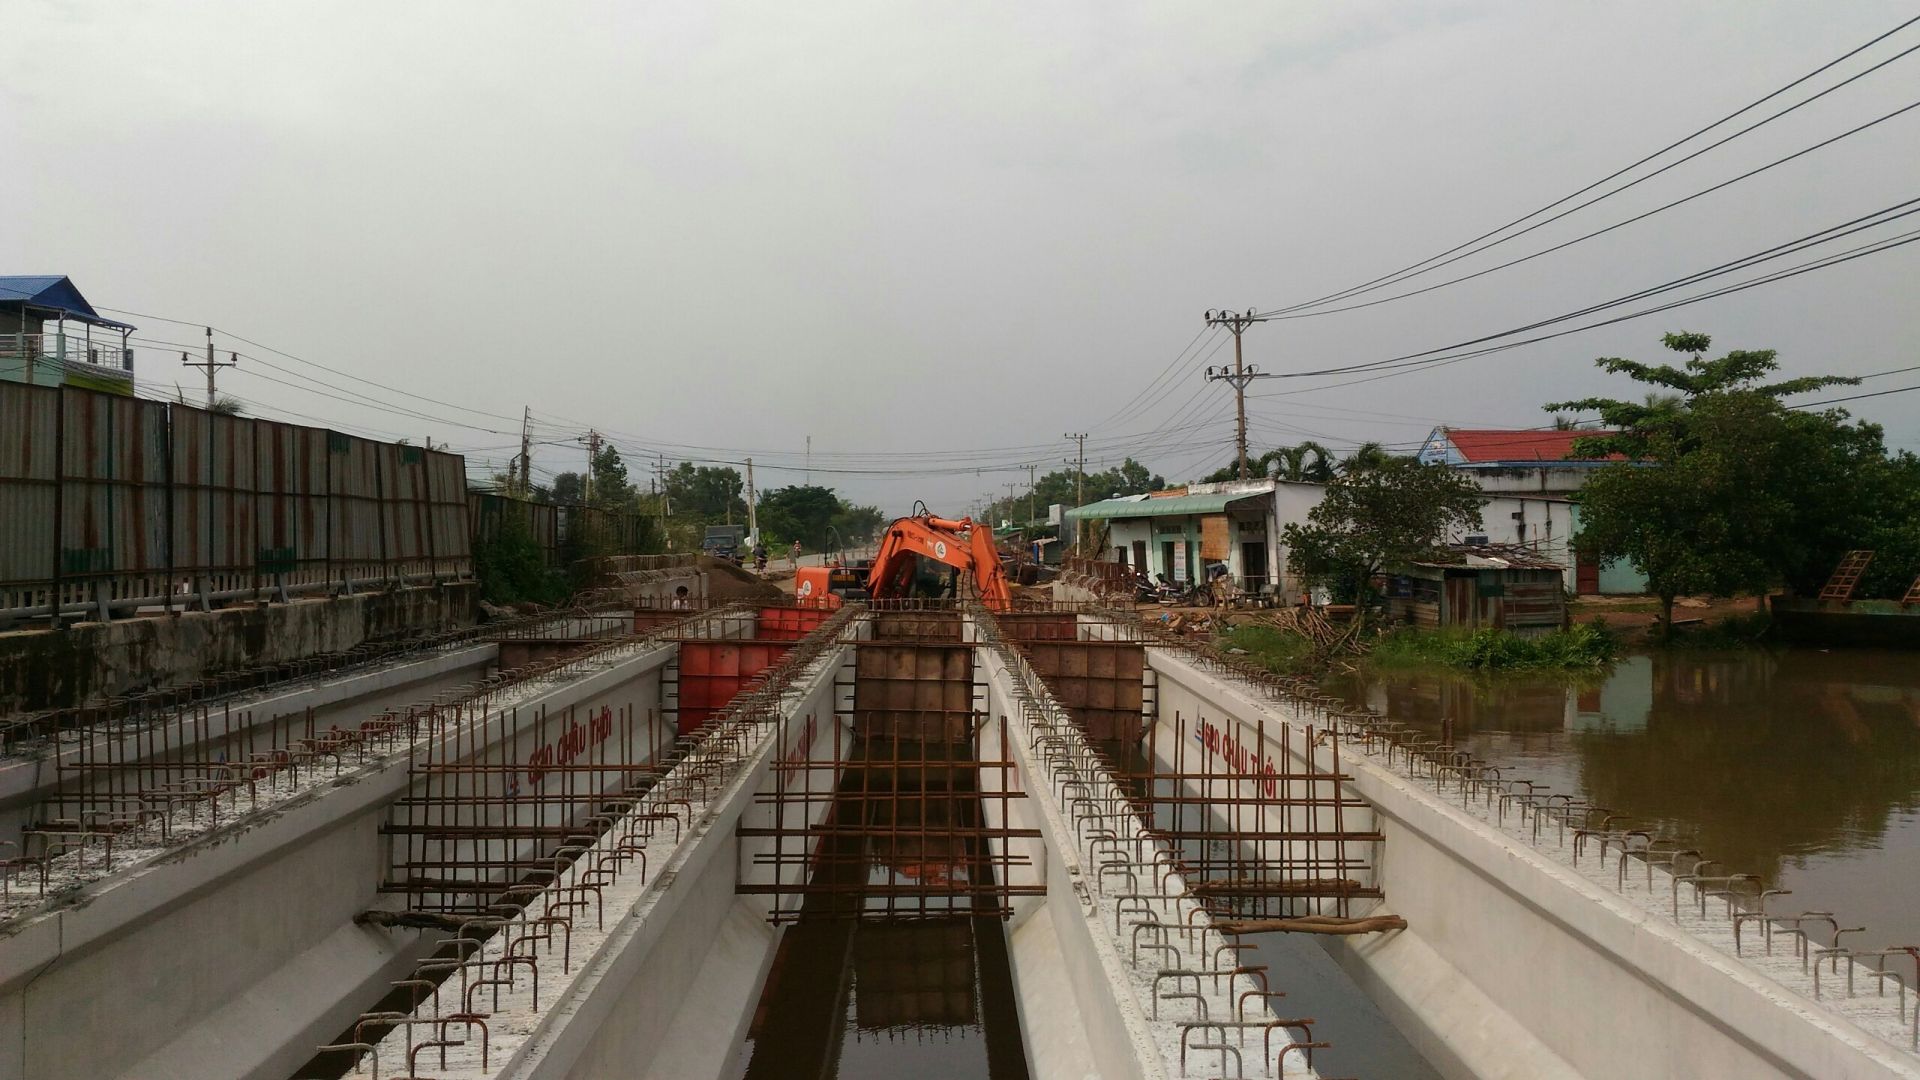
(963, 544)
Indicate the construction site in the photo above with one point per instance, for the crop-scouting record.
(857, 832)
(691, 541)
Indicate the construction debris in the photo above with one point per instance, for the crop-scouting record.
(1329, 638)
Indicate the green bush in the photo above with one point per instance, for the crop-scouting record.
(512, 569)
(1732, 632)
(1276, 650)
(1579, 647)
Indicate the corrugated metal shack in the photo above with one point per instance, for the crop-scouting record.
(1476, 585)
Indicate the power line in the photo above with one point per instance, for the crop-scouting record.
(1388, 278)
(1425, 357)
(1601, 231)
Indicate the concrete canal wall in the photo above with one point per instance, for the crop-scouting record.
(90, 662)
(235, 954)
(671, 995)
(1515, 965)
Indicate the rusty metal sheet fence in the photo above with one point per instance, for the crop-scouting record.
(110, 503)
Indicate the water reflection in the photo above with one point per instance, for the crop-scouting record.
(1802, 766)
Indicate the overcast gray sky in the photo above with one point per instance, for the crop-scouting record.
(909, 229)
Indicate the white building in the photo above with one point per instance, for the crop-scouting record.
(1177, 533)
(1530, 478)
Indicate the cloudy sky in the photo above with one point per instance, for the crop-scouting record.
(936, 237)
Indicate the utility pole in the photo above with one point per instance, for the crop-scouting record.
(807, 477)
(526, 452)
(660, 470)
(1030, 486)
(1079, 463)
(1241, 375)
(753, 520)
(233, 360)
(592, 439)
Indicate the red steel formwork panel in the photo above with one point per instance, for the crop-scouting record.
(713, 671)
(789, 623)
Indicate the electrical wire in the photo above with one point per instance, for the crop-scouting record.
(1387, 279)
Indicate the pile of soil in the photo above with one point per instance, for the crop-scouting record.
(725, 581)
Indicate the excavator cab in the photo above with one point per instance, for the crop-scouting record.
(960, 547)
(830, 586)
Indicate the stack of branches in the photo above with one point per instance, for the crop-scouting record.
(1329, 639)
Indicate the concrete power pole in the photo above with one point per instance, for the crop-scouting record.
(1030, 486)
(1241, 375)
(233, 360)
(592, 439)
(660, 470)
(1079, 463)
(753, 520)
(526, 452)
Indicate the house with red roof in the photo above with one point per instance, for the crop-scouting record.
(1530, 477)
(1527, 460)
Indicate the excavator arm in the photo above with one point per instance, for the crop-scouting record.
(962, 544)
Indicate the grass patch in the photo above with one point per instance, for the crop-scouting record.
(1278, 651)
(1582, 647)
(1732, 632)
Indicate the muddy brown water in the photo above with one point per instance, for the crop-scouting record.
(1799, 765)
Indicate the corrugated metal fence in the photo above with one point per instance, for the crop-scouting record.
(553, 526)
(109, 503)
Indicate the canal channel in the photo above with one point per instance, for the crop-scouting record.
(1801, 765)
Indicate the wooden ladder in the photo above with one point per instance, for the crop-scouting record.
(1846, 576)
(1913, 593)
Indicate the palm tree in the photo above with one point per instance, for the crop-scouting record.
(1291, 463)
(1368, 455)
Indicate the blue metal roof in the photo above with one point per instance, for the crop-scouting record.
(53, 293)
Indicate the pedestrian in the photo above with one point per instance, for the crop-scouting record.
(681, 600)
(793, 556)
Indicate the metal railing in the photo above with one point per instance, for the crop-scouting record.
(48, 358)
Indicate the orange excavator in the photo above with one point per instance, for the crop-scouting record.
(965, 545)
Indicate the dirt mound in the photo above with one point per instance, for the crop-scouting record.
(725, 581)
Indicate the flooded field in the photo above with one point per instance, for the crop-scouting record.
(1800, 765)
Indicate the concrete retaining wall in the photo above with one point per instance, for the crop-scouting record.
(235, 954)
(49, 669)
(1515, 966)
(670, 993)
(1078, 1015)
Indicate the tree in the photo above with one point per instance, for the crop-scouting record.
(1379, 518)
(1128, 478)
(800, 512)
(1722, 488)
(1675, 514)
(611, 491)
(707, 494)
(858, 524)
(1307, 462)
(1638, 422)
(1368, 455)
(568, 488)
(1292, 463)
